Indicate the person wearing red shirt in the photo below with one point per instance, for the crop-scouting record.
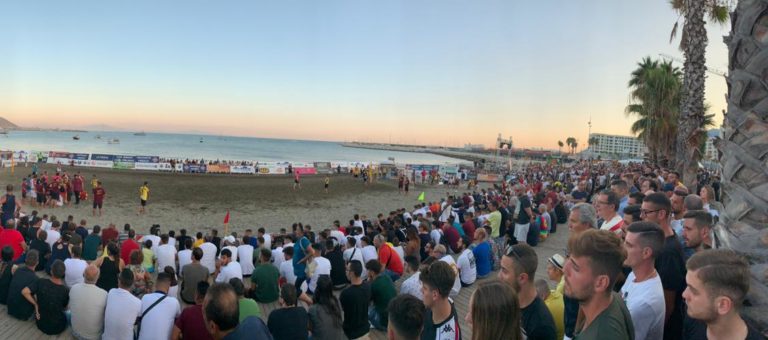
(390, 260)
(12, 237)
(77, 187)
(128, 246)
(451, 234)
(469, 226)
(98, 197)
(109, 234)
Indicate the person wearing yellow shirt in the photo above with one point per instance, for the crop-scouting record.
(143, 197)
(554, 302)
(94, 182)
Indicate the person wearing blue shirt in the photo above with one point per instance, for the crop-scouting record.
(300, 257)
(482, 251)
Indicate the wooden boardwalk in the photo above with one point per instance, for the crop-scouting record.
(11, 328)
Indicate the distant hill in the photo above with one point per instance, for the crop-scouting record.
(5, 124)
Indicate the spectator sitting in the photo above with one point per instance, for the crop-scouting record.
(406, 318)
(264, 281)
(49, 298)
(122, 309)
(289, 321)
(18, 306)
(191, 324)
(86, 305)
(221, 315)
(248, 307)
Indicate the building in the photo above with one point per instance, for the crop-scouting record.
(710, 151)
(615, 146)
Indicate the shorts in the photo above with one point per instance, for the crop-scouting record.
(41, 198)
(296, 181)
(521, 232)
(326, 186)
(54, 195)
(143, 203)
(97, 204)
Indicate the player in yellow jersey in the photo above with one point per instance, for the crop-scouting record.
(143, 197)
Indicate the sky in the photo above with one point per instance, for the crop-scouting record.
(438, 72)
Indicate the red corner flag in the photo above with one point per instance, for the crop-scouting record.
(226, 218)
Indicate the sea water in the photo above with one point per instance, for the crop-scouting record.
(208, 147)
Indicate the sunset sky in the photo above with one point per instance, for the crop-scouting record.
(426, 72)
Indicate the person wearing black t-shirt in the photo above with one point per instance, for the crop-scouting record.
(354, 302)
(523, 222)
(43, 248)
(289, 322)
(518, 269)
(18, 306)
(50, 298)
(717, 282)
(670, 263)
(440, 321)
(338, 268)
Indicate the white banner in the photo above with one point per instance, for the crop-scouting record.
(95, 164)
(271, 170)
(56, 160)
(242, 169)
(153, 166)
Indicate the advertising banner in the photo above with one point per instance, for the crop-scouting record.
(102, 157)
(489, 178)
(242, 169)
(95, 164)
(195, 168)
(124, 165)
(153, 166)
(449, 169)
(146, 159)
(420, 167)
(218, 169)
(271, 169)
(305, 170)
(324, 168)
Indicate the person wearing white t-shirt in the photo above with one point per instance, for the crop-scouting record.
(267, 238)
(75, 267)
(53, 236)
(338, 235)
(440, 253)
(318, 266)
(466, 263)
(122, 309)
(155, 241)
(185, 256)
(369, 251)
(607, 209)
(353, 253)
(233, 250)
(245, 254)
(158, 322)
(286, 267)
(166, 254)
(277, 255)
(435, 235)
(87, 303)
(227, 268)
(643, 292)
(209, 255)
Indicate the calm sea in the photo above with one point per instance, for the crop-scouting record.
(212, 147)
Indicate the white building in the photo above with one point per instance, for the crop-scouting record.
(617, 146)
(710, 151)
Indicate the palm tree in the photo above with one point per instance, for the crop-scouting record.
(570, 141)
(593, 141)
(742, 151)
(560, 146)
(574, 146)
(693, 43)
(655, 99)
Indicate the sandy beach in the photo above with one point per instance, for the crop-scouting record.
(199, 202)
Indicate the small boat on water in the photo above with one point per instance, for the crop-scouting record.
(142, 133)
(76, 137)
(201, 139)
(97, 137)
(113, 141)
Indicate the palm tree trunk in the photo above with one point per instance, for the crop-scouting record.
(744, 151)
(692, 101)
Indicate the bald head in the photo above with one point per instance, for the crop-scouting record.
(91, 274)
